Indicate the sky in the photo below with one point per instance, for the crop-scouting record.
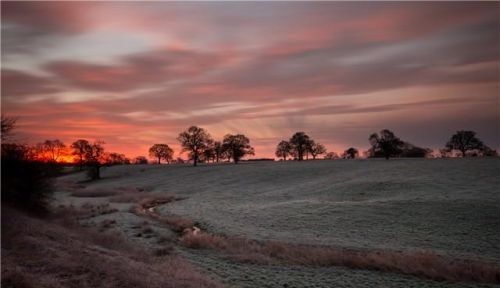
(133, 74)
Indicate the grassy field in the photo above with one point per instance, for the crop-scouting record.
(447, 207)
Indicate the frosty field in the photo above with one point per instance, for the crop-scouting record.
(448, 206)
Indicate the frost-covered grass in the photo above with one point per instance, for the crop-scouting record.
(423, 264)
(450, 207)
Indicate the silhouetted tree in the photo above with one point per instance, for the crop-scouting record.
(300, 142)
(237, 146)
(220, 151)
(411, 151)
(283, 150)
(488, 152)
(115, 159)
(80, 148)
(464, 141)
(331, 156)
(386, 143)
(141, 160)
(7, 126)
(195, 141)
(161, 152)
(95, 157)
(444, 153)
(26, 183)
(52, 149)
(316, 149)
(209, 152)
(350, 153)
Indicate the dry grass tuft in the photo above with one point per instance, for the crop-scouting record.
(146, 206)
(43, 253)
(153, 201)
(179, 224)
(422, 264)
(164, 251)
(89, 210)
(107, 223)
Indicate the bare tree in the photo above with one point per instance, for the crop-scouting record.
(284, 149)
(411, 151)
(219, 151)
(141, 160)
(488, 152)
(464, 141)
(316, 149)
(386, 143)
(209, 152)
(300, 141)
(444, 153)
(350, 153)
(195, 141)
(161, 152)
(237, 146)
(7, 126)
(52, 149)
(331, 156)
(80, 148)
(115, 159)
(26, 183)
(95, 158)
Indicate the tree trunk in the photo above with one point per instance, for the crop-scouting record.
(463, 153)
(195, 159)
(159, 159)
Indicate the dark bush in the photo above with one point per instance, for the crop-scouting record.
(26, 183)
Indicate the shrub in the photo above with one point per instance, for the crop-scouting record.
(26, 183)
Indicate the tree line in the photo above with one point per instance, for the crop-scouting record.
(384, 144)
(28, 171)
(201, 147)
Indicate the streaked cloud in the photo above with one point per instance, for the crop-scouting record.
(135, 73)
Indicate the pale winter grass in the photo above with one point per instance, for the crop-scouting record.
(422, 264)
(129, 195)
(132, 197)
(47, 253)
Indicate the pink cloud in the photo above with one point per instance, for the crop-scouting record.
(263, 66)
